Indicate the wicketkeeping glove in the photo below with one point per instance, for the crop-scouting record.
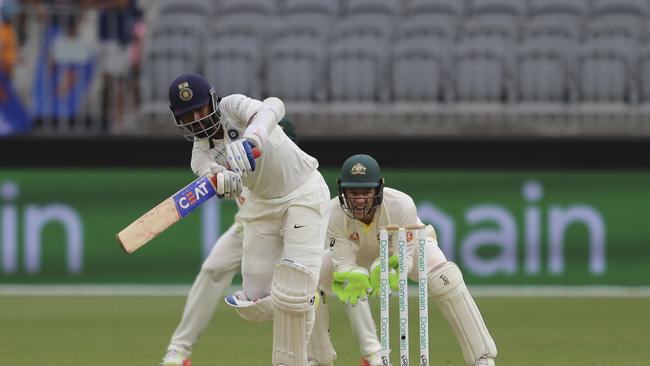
(352, 286)
(229, 184)
(239, 154)
(393, 275)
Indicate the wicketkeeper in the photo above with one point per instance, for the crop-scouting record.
(363, 206)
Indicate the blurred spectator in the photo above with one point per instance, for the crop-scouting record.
(117, 19)
(64, 71)
(135, 58)
(8, 39)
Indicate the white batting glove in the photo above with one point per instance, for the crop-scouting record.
(239, 154)
(229, 184)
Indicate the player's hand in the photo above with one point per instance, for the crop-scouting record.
(352, 286)
(239, 154)
(393, 275)
(229, 184)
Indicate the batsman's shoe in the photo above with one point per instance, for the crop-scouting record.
(176, 357)
(485, 361)
(313, 362)
(373, 360)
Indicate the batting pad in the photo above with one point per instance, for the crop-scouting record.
(259, 310)
(293, 292)
(459, 309)
(320, 346)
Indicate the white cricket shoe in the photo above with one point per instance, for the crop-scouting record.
(175, 357)
(313, 362)
(485, 361)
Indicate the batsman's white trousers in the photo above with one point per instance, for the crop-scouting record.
(208, 289)
(291, 227)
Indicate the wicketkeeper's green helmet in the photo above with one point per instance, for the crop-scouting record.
(360, 171)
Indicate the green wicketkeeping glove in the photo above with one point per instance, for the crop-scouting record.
(393, 275)
(352, 286)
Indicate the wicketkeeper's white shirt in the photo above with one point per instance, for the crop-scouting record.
(354, 243)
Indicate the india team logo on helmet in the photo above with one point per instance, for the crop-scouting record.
(185, 93)
(358, 169)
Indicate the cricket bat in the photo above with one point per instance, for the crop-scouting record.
(169, 212)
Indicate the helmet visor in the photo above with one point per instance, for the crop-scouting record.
(207, 125)
(359, 206)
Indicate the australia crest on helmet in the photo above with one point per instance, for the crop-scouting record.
(358, 169)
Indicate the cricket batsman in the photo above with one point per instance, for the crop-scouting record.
(288, 204)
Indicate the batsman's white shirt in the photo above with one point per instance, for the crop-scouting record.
(353, 243)
(288, 204)
(283, 166)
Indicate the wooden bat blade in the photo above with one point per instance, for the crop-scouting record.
(166, 214)
(148, 226)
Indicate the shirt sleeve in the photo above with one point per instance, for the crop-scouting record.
(201, 159)
(239, 108)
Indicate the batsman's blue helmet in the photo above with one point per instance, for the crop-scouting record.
(189, 92)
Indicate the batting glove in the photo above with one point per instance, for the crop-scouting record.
(352, 286)
(229, 184)
(393, 276)
(239, 154)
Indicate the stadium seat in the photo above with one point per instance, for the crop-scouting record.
(380, 14)
(644, 72)
(295, 69)
(193, 7)
(544, 73)
(605, 73)
(233, 66)
(309, 15)
(574, 8)
(480, 74)
(186, 35)
(495, 33)
(420, 70)
(357, 70)
(161, 64)
(452, 8)
(247, 7)
(514, 8)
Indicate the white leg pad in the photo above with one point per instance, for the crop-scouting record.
(459, 309)
(293, 292)
(259, 310)
(320, 346)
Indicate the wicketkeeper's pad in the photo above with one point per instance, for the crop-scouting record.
(459, 309)
(320, 346)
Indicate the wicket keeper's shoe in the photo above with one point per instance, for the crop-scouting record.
(175, 357)
(485, 361)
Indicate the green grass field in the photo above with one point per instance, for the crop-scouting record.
(110, 331)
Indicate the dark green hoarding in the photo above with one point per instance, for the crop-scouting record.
(502, 228)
